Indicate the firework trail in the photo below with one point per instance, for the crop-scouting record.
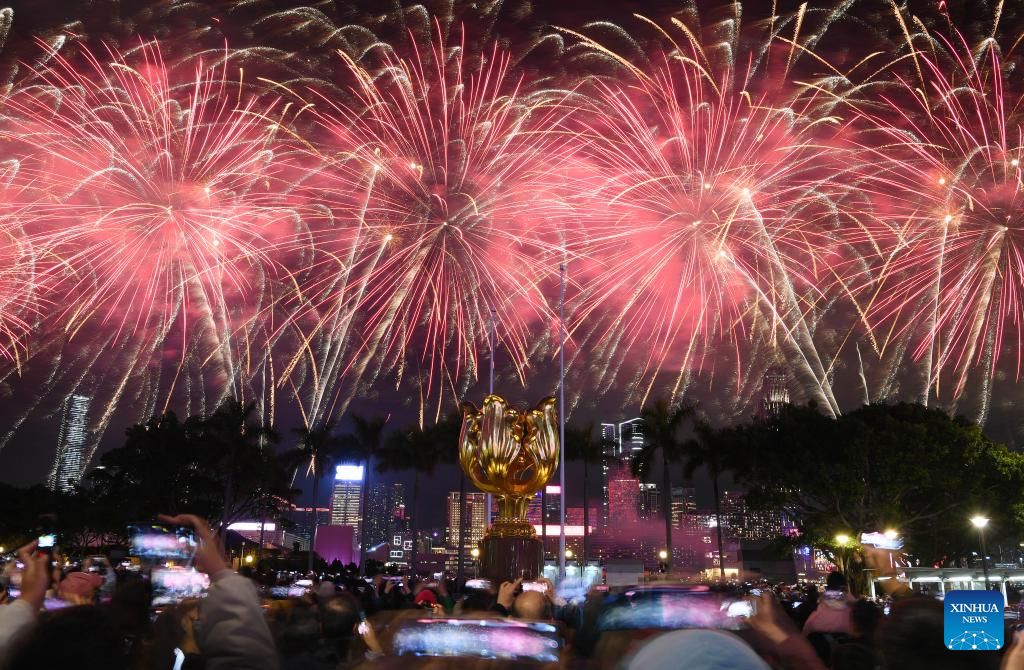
(715, 203)
(161, 205)
(446, 181)
(948, 135)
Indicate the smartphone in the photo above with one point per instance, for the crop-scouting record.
(172, 585)
(756, 593)
(834, 595)
(478, 584)
(892, 542)
(45, 544)
(157, 542)
(743, 609)
(540, 587)
(491, 639)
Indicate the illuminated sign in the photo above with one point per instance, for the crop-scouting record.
(349, 473)
(251, 526)
(553, 490)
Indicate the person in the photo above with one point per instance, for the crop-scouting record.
(531, 605)
(85, 637)
(701, 649)
(858, 652)
(774, 628)
(79, 588)
(232, 633)
(833, 612)
(807, 605)
(18, 619)
(507, 597)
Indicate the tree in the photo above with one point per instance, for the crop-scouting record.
(234, 443)
(420, 450)
(704, 449)
(318, 449)
(902, 466)
(581, 445)
(361, 444)
(663, 423)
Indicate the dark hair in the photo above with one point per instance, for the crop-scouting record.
(84, 638)
(835, 581)
(910, 639)
(865, 617)
(853, 657)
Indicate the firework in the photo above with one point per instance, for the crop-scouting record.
(159, 203)
(947, 135)
(711, 194)
(445, 181)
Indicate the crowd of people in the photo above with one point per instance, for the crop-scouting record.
(105, 619)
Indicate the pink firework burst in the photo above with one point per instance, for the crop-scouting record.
(952, 200)
(159, 199)
(446, 177)
(705, 223)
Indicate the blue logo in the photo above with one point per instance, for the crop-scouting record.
(973, 620)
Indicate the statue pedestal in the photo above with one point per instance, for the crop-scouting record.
(504, 559)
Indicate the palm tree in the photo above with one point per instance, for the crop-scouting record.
(662, 424)
(580, 445)
(361, 444)
(707, 450)
(318, 449)
(412, 448)
(234, 441)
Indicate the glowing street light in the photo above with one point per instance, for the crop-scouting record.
(474, 552)
(842, 539)
(981, 522)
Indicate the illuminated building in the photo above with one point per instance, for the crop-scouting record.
(346, 499)
(648, 501)
(623, 494)
(621, 441)
(774, 392)
(386, 514)
(553, 511)
(739, 522)
(684, 501)
(70, 460)
(476, 522)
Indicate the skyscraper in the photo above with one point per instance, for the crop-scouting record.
(379, 517)
(553, 495)
(69, 461)
(346, 499)
(621, 441)
(684, 502)
(623, 494)
(476, 520)
(648, 501)
(774, 392)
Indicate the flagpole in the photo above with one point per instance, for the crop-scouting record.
(490, 391)
(561, 423)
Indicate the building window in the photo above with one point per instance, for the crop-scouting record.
(398, 539)
(407, 545)
(397, 554)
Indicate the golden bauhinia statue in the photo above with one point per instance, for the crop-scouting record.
(510, 454)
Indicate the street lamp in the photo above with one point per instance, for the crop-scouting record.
(568, 554)
(980, 522)
(842, 539)
(248, 558)
(474, 552)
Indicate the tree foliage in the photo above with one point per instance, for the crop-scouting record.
(902, 466)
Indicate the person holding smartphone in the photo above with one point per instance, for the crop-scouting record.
(19, 618)
(232, 633)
